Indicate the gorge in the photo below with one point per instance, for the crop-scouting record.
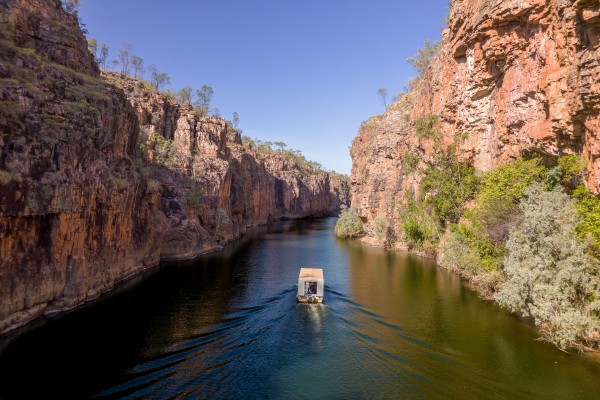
(102, 177)
(487, 164)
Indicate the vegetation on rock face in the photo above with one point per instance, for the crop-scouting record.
(266, 148)
(530, 237)
(509, 182)
(349, 224)
(447, 186)
(409, 163)
(419, 226)
(427, 127)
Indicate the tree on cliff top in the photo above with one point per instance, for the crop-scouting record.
(158, 79)
(421, 61)
(383, 94)
(204, 97)
(124, 58)
(103, 57)
(137, 63)
(93, 47)
(71, 6)
(184, 96)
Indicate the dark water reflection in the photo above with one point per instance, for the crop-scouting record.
(227, 326)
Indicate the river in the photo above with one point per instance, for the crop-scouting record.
(228, 326)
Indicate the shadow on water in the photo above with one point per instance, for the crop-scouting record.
(228, 326)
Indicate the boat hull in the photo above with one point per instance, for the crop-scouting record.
(309, 300)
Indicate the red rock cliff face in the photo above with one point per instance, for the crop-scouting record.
(521, 78)
(207, 169)
(76, 211)
(84, 201)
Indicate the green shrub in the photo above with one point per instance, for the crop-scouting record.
(424, 56)
(568, 172)
(493, 219)
(550, 277)
(571, 167)
(487, 226)
(428, 127)
(447, 186)
(459, 255)
(511, 180)
(588, 211)
(413, 232)
(409, 163)
(418, 225)
(349, 224)
(163, 149)
(371, 124)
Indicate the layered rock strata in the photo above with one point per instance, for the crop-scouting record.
(519, 78)
(86, 201)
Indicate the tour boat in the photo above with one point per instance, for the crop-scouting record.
(311, 285)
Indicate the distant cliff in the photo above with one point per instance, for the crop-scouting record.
(203, 169)
(517, 78)
(102, 177)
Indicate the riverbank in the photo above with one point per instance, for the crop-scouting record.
(227, 325)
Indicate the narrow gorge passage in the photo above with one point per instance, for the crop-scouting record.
(228, 326)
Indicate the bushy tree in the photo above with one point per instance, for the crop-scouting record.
(137, 63)
(588, 227)
(349, 224)
(184, 96)
(204, 98)
(421, 61)
(158, 79)
(418, 225)
(124, 58)
(103, 57)
(280, 146)
(550, 277)
(383, 95)
(448, 185)
(93, 47)
(235, 121)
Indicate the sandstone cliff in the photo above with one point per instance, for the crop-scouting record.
(520, 78)
(99, 180)
(202, 166)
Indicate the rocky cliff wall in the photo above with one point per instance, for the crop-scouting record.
(98, 183)
(202, 167)
(520, 78)
(76, 211)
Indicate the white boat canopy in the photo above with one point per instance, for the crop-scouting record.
(311, 285)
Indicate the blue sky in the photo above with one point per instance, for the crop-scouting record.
(302, 72)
